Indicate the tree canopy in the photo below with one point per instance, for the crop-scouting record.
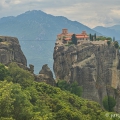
(73, 87)
(3, 72)
(22, 98)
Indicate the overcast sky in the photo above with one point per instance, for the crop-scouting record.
(88, 12)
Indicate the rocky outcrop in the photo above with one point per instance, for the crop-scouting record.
(45, 75)
(94, 65)
(10, 51)
(31, 67)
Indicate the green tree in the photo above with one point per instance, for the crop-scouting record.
(108, 42)
(73, 87)
(90, 36)
(74, 39)
(109, 38)
(63, 85)
(21, 76)
(66, 114)
(1, 40)
(116, 44)
(5, 118)
(109, 103)
(22, 106)
(3, 72)
(95, 36)
(76, 89)
(14, 102)
(113, 39)
(6, 102)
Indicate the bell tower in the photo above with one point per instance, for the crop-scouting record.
(64, 31)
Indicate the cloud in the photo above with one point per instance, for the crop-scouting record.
(7, 1)
(88, 12)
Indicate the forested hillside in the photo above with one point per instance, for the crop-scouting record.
(21, 98)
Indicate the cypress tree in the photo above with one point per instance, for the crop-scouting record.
(95, 36)
(74, 39)
(90, 36)
(113, 39)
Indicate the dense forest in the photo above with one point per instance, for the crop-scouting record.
(22, 98)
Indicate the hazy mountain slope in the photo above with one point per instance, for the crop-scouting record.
(115, 27)
(109, 31)
(37, 32)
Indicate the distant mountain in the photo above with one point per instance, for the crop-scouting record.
(113, 31)
(115, 27)
(37, 32)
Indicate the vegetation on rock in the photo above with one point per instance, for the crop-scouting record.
(92, 37)
(116, 44)
(108, 42)
(74, 39)
(109, 103)
(103, 38)
(3, 72)
(1, 40)
(73, 87)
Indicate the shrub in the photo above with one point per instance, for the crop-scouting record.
(1, 40)
(116, 44)
(76, 89)
(3, 72)
(109, 103)
(109, 38)
(19, 75)
(108, 42)
(63, 85)
(73, 87)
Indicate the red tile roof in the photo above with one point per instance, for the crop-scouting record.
(67, 39)
(82, 37)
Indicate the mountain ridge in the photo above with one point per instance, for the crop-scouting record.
(37, 32)
(112, 31)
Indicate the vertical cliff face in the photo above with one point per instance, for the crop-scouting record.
(10, 51)
(94, 65)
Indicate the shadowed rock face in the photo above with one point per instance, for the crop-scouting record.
(10, 51)
(46, 75)
(94, 65)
